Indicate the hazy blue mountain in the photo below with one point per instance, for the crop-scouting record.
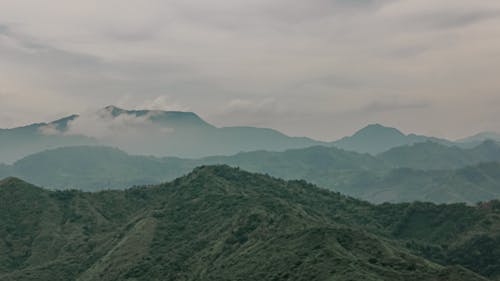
(470, 184)
(360, 175)
(97, 168)
(376, 138)
(192, 137)
(180, 134)
(146, 132)
(431, 155)
(178, 120)
(18, 142)
(478, 138)
(220, 223)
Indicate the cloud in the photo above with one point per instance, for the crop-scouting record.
(125, 127)
(293, 65)
(162, 102)
(49, 130)
(393, 105)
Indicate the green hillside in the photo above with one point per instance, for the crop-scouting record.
(221, 223)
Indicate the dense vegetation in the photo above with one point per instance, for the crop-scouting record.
(383, 178)
(221, 223)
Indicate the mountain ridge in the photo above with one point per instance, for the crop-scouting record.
(363, 176)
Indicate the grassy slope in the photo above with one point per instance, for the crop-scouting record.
(219, 223)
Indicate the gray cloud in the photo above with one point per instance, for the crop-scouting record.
(393, 105)
(320, 68)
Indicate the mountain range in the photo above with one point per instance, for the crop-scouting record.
(147, 132)
(186, 135)
(424, 172)
(222, 223)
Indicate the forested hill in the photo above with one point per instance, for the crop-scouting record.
(222, 223)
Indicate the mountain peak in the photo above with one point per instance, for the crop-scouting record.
(114, 110)
(488, 144)
(373, 130)
(170, 118)
(376, 138)
(13, 182)
(480, 137)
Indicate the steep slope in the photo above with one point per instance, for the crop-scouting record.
(431, 155)
(220, 223)
(376, 138)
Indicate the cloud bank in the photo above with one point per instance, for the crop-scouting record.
(318, 68)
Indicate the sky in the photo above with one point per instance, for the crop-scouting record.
(317, 68)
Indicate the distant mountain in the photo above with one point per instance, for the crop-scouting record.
(94, 168)
(359, 175)
(431, 156)
(479, 138)
(178, 120)
(376, 138)
(147, 132)
(97, 168)
(470, 185)
(22, 141)
(220, 223)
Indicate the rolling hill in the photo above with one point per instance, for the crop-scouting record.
(221, 223)
(360, 175)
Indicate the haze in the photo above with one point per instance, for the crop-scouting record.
(316, 68)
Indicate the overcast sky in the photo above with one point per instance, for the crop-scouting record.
(320, 68)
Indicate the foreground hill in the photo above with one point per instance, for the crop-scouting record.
(220, 223)
(360, 175)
